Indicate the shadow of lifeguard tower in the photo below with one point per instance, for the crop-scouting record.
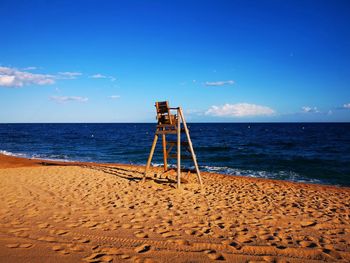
(170, 123)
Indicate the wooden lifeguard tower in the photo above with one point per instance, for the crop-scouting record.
(169, 123)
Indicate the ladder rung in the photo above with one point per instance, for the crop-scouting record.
(170, 127)
(166, 125)
(166, 132)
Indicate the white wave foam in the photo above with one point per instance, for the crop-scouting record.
(12, 154)
(35, 156)
(279, 175)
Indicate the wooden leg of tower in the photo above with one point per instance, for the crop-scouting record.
(150, 156)
(191, 147)
(178, 152)
(165, 155)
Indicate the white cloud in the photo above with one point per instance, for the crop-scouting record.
(239, 110)
(346, 106)
(308, 109)
(98, 76)
(68, 75)
(30, 68)
(6, 80)
(14, 78)
(101, 76)
(65, 99)
(114, 97)
(219, 83)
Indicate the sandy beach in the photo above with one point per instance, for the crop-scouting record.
(84, 212)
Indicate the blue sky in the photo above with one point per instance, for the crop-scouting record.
(232, 61)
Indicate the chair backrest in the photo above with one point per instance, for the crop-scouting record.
(164, 115)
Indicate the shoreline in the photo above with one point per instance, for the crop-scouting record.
(9, 161)
(90, 212)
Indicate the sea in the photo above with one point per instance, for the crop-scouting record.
(300, 152)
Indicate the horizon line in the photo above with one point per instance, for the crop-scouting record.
(266, 122)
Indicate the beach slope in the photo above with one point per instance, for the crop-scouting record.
(84, 212)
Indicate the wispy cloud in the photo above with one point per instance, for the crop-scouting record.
(346, 106)
(65, 99)
(98, 76)
(68, 75)
(239, 110)
(30, 68)
(14, 78)
(308, 109)
(101, 76)
(219, 83)
(114, 97)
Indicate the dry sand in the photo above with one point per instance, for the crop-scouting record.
(102, 213)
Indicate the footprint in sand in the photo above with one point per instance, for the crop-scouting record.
(141, 234)
(57, 248)
(48, 239)
(245, 238)
(12, 245)
(81, 240)
(212, 254)
(58, 232)
(73, 225)
(332, 253)
(64, 252)
(98, 257)
(308, 223)
(112, 251)
(61, 232)
(76, 248)
(267, 237)
(91, 224)
(242, 229)
(307, 244)
(26, 245)
(126, 226)
(161, 231)
(43, 225)
(170, 234)
(190, 232)
(233, 244)
(142, 248)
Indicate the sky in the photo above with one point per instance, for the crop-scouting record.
(221, 61)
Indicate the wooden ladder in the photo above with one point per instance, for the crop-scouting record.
(171, 124)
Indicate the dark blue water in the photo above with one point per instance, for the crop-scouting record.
(307, 152)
